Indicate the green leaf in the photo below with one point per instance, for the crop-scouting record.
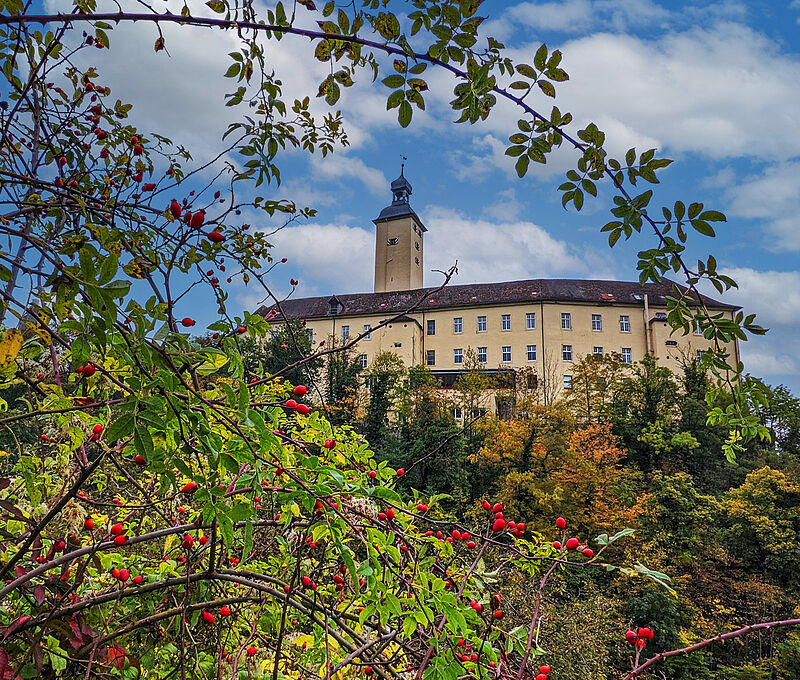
(216, 6)
(387, 494)
(248, 539)
(333, 93)
(547, 88)
(527, 71)
(539, 59)
(704, 228)
(713, 216)
(404, 114)
(394, 81)
(142, 441)
(121, 427)
(394, 99)
(521, 166)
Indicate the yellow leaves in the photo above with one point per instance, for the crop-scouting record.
(301, 640)
(170, 542)
(10, 346)
(138, 267)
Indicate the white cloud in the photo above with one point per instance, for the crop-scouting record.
(578, 16)
(774, 297)
(342, 167)
(773, 197)
(705, 90)
(327, 257)
(687, 90)
(763, 363)
(493, 250)
(506, 209)
(339, 258)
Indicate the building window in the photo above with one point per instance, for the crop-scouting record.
(700, 353)
(626, 355)
(458, 414)
(362, 359)
(458, 356)
(567, 382)
(532, 381)
(505, 320)
(530, 321)
(416, 244)
(310, 333)
(345, 332)
(697, 330)
(478, 413)
(597, 322)
(416, 260)
(431, 326)
(481, 324)
(566, 321)
(598, 351)
(566, 352)
(507, 353)
(392, 241)
(430, 357)
(367, 329)
(625, 324)
(531, 352)
(481, 355)
(458, 325)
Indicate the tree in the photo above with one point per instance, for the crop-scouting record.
(764, 521)
(471, 389)
(342, 385)
(552, 379)
(430, 444)
(647, 399)
(173, 487)
(289, 344)
(596, 379)
(383, 378)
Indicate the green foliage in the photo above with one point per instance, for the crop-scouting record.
(382, 378)
(342, 372)
(763, 517)
(787, 664)
(288, 344)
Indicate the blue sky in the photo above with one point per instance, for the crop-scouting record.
(712, 85)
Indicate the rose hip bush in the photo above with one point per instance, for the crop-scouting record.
(166, 511)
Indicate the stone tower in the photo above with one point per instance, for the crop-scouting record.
(398, 242)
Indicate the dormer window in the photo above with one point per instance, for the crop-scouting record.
(333, 306)
(392, 241)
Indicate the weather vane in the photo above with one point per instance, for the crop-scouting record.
(402, 163)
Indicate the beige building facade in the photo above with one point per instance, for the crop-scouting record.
(542, 324)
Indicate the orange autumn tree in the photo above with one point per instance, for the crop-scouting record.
(544, 464)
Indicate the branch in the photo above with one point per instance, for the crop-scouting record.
(638, 670)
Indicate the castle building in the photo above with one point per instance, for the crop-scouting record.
(545, 325)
